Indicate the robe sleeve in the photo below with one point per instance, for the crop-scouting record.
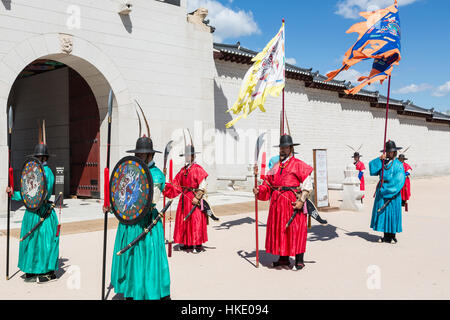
(396, 182)
(16, 196)
(200, 175)
(303, 170)
(264, 192)
(50, 179)
(172, 190)
(375, 166)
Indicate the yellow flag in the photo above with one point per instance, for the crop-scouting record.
(265, 76)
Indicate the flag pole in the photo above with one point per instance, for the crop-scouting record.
(284, 73)
(385, 128)
(106, 202)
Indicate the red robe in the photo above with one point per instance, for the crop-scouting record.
(406, 191)
(360, 167)
(193, 231)
(280, 241)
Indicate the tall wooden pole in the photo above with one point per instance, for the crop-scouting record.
(385, 128)
(10, 185)
(256, 215)
(106, 202)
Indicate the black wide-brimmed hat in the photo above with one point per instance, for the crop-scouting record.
(189, 150)
(286, 141)
(402, 156)
(356, 154)
(144, 145)
(391, 147)
(40, 149)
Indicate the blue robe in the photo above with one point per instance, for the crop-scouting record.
(40, 251)
(390, 219)
(142, 273)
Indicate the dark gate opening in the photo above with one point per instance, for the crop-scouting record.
(84, 137)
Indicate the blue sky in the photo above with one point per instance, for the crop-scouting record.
(316, 38)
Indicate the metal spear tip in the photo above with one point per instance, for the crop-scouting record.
(110, 102)
(259, 143)
(10, 117)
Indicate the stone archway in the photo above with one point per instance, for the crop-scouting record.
(96, 68)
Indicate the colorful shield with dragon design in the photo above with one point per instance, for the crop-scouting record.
(33, 186)
(131, 190)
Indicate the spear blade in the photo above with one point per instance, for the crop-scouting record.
(259, 144)
(10, 119)
(166, 152)
(110, 103)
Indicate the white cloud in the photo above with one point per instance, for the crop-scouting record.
(291, 61)
(413, 88)
(351, 8)
(229, 23)
(442, 90)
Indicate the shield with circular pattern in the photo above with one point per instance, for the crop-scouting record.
(131, 190)
(33, 186)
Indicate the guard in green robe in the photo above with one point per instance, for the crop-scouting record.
(387, 207)
(38, 254)
(142, 273)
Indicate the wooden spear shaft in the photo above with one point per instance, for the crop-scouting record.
(9, 204)
(106, 191)
(385, 129)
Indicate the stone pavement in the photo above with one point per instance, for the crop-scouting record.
(343, 259)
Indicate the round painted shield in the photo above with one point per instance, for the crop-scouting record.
(131, 190)
(33, 186)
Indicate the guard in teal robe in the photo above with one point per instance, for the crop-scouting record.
(38, 254)
(142, 273)
(389, 219)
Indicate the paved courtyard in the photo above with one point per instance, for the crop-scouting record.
(343, 258)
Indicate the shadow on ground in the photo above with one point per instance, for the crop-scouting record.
(61, 267)
(322, 233)
(364, 235)
(265, 259)
(233, 223)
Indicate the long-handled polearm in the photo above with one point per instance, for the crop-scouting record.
(41, 220)
(258, 146)
(385, 129)
(106, 202)
(166, 156)
(10, 185)
(146, 230)
(169, 246)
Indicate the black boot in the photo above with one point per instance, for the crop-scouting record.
(299, 263)
(199, 249)
(394, 239)
(282, 261)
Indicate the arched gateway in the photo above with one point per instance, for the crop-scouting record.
(65, 80)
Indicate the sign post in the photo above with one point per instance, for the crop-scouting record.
(321, 199)
(59, 185)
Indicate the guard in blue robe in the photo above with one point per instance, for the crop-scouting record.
(142, 273)
(387, 208)
(38, 254)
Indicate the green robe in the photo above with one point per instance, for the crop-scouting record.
(40, 251)
(142, 273)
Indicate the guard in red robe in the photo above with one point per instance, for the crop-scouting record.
(287, 186)
(191, 184)
(360, 167)
(406, 191)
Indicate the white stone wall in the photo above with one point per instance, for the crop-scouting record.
(319, 119)
(153, 55)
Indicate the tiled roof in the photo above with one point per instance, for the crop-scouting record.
(240, 54)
